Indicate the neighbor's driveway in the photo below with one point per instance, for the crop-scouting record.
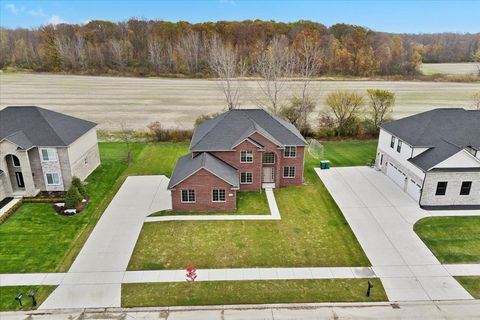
(382, 217)
(94, 279)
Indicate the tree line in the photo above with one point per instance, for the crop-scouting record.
(148, 48)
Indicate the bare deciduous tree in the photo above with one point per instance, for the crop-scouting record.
(190, 48)
(229, 68)
(126, 137)
(120, 50)
(155, 48)
(307, 61)
(275, 64)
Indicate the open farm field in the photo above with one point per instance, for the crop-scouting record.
(109, 101)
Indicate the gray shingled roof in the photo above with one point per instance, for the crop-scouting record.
(29, 126)
(186, 166)
(444, 131)
(232, 127)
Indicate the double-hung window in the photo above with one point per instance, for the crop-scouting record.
(289, 172)
(188, 195)
(246, 178)
(290, 152)
(441, 188)
(399, 146)
(52, 179)
(465, 189)
(218, 195)
(246, 156)
(269, 157)
(392, 142)
(48, 154)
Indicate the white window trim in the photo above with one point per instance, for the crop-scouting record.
(399, 146)
(54, 152)
(295, 147)
(294, 172)
(245, 156)
(274, 160)
(225, 194)
(392, 142)
(181, 196)
(251, 173)
(52, 184)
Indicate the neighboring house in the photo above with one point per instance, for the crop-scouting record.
(41, 150)
(245, 149)
(434, 156)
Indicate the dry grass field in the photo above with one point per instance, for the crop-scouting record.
(465, 68)
(110, 101)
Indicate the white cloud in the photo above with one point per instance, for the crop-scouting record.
(13, 9)
(54, 20)
(37, 13)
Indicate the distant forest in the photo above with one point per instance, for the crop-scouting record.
(149, 48)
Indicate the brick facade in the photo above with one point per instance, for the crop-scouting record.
(203, 182)
(256, 167)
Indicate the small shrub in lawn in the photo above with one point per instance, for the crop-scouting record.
(73, 197)
(80, 187)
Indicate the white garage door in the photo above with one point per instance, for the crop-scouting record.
(396, 175)
(413, 189)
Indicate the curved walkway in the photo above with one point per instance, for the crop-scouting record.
(382, 217)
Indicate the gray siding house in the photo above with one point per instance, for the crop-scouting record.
(434, 157)
(41, 150)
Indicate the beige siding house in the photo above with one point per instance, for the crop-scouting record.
(41, 150)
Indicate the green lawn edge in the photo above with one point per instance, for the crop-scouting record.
(471, 284)
(250, 292)
(451, 239)
(8, 294)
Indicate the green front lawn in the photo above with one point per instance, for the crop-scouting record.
(471, 284)
(8, 294)
(312, 232)
(36, 239)
(250, 292)
(249, 202)
(451, 239)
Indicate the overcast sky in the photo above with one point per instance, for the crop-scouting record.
(392, 16)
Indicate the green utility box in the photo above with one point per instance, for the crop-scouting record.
(324, 164)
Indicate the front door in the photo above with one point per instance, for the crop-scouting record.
(268, 174)
(19, 177)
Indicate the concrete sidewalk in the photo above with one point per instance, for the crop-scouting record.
(382, 217)
(110, 245)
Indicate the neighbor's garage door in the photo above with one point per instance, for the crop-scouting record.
(413, 189)
(396, 175)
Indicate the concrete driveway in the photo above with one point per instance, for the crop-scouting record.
(382, 217)
(95, 277)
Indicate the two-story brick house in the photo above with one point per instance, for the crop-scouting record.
(240, 150)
